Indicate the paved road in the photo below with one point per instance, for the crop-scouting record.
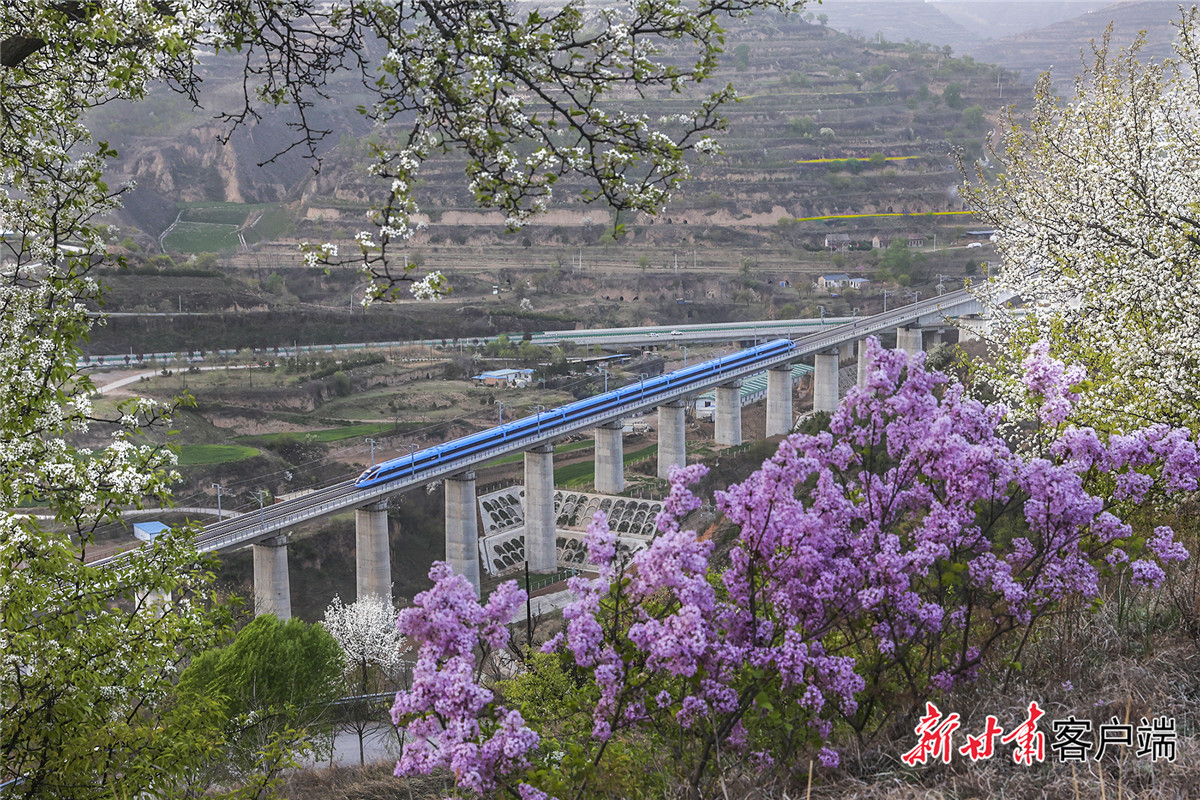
(146, 512)
(110, 386)
(379, 744)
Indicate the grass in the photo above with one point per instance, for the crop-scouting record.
(221, 213)
(202, 237)
(328, 434)
(195, 454)
(558, 449)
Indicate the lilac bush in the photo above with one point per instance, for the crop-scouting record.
(875, 564)
(451, 720)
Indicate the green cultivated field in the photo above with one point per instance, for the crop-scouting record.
(202, 237)
(195, 454)
(584, 472)
(327, 435)
(558, 450)
(213, 227)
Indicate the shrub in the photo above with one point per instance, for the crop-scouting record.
(876, 564)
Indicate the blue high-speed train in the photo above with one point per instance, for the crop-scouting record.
(548, 421)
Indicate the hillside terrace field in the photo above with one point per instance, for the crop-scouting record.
(811, 97)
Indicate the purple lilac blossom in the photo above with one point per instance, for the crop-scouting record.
(450, 720)
(896, 499)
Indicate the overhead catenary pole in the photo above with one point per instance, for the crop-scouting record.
(262, 495)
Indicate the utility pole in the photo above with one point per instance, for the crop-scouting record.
(218, 487)
(261, 495)
(528, 610)
(371, 442)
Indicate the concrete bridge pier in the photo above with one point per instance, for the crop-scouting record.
(863, 364)
(272, 589)
(779, 400)
(825, 381)
(672, 437)
(462, 528)
(372, 551)
(910, 340)
(539, 509)
(610, 455)
(728, 414)
(156, 602)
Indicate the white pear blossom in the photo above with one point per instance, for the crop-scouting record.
(366, 632)
(1097, 214)
(431, 287)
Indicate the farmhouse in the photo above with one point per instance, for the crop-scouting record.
(838, 242)
(834, 280)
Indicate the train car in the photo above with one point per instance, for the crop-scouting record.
(547, 421)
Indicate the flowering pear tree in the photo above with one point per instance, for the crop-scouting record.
(372, 648)
(875, 565)
(1095, 212)
(366, 632)
(84, 671)
(88, 654)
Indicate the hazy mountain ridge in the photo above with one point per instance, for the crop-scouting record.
(1063, 44)
(1027, 37)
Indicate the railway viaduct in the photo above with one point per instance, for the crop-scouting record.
(267, 530)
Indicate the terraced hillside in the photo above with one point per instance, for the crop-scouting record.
(829, 125)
